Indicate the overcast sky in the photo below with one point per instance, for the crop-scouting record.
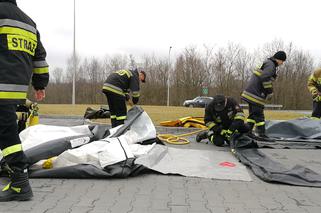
(152, 26)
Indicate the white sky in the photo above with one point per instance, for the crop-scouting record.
(152, 26)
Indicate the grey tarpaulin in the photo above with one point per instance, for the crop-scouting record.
(302, 128)
(194, 163)
(302, 132)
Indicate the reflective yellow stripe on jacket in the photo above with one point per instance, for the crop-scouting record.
(114, 89)
(20, 36)
(11, 149)
(13, 91)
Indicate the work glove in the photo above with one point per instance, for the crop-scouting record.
(269, 96)
(227, 133)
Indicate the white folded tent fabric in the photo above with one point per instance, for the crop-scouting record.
(112, 150)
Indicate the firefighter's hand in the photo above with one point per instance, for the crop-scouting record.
(40, 95)
(127, 97)
(227, 134)
(269, 96)
(130, 102)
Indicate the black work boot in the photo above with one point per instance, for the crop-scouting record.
(19, 188)
(200, 136)
(261, 134)
(250, 132)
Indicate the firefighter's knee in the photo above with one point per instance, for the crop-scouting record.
(217, 140)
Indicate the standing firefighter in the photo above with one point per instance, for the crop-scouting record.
(223, 116)
(314, 86)
(22, 58)
(259, 89)
(117, 88)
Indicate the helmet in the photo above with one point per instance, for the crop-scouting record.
(219, 102)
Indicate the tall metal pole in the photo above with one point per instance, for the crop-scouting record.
(74, 60)
(168, 73)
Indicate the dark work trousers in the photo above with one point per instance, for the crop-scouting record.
(117, 108)
(316, 113)
(9, 137)
(256, 115)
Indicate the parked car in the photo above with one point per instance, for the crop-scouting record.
(200, 101)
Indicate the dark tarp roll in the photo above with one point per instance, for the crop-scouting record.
(302, 128)
(246, 150)
(95, 114)
(123, 169)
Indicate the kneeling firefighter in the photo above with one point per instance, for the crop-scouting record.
(223, 117)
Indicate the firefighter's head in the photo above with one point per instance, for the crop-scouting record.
(142, 74)
(219, 102)
(12, 1)
(280, 57)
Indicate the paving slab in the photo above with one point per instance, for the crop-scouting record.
(170, 193)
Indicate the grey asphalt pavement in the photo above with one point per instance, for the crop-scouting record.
(170, 193)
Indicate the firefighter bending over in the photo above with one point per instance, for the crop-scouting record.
(259, 89)
(314, 86)
(223, 117)
(117, 88)
(22, 59)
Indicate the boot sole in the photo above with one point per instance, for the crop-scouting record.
(24, 197)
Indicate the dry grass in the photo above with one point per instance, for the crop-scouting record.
(157, 113)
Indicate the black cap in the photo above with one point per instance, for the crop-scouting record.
(281, 55)
(219, 102)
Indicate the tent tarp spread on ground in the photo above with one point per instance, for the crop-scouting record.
(97, 152)
(299, 133)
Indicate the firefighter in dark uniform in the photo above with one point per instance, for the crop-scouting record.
(314, 86)
(223, 117)
(117, 88)
(22, 58)
(260, 89)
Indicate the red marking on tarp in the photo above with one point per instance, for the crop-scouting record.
(227, 164)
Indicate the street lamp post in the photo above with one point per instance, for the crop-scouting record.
(168, 73)
(74, 60)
